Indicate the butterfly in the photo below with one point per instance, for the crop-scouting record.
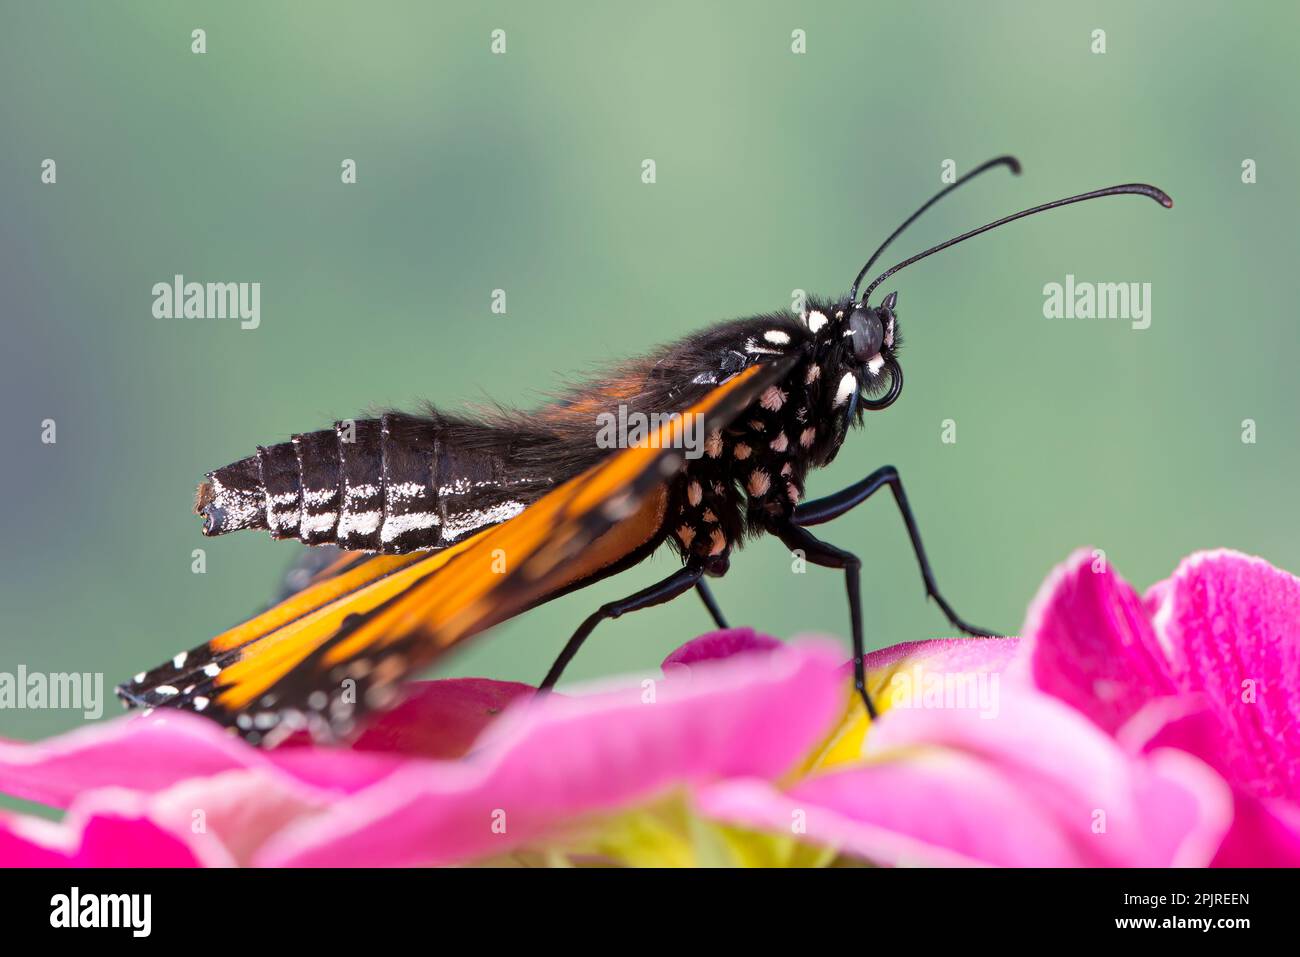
(450, 524)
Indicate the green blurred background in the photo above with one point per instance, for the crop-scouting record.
(776, 171)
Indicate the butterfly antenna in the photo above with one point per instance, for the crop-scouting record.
(1140, 189)
(1009, 161)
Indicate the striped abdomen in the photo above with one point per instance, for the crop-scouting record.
(393, 484)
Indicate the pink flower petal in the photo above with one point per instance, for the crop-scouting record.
(853, 811)
(1166, 809)
(114, 830)
(1089, 642)
(153, 752)
(1264, 833)
(1230, 625)
(720, 644)
(236, 811)
(547, 762)
(946, 655)
(216, 821)
(440, 719)
(1038, 785)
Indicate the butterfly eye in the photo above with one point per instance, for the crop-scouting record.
(868, 334)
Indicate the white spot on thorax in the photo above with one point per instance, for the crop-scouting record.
(848, 385)
(752, 346)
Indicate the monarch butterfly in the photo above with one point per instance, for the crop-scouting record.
(453, 523)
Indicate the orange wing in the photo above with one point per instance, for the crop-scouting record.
(339, 648)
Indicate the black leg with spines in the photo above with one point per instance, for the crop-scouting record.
(711, 603)
(677, 583)
(833, 506)
(826, 555)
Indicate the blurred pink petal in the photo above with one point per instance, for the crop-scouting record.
(1038, 785)
(231, 815)
(720, 644)
(549, 761)
(112, 830)
(440, 719)
(1265, 832)
(148, 753)
(971, 655)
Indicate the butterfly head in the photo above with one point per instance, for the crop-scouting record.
(869, 341)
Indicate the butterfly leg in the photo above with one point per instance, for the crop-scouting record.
(675, 584)
(711, 603)
(833, 506)
(828, 556)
